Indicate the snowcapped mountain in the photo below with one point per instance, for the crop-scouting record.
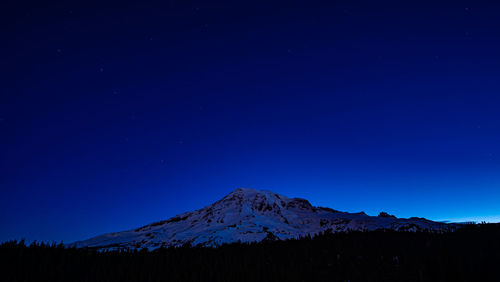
(250, 215)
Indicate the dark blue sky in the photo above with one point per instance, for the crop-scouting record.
(114, 115)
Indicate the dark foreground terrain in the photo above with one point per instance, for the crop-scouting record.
(469, 254)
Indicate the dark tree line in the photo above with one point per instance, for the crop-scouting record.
(469, 254)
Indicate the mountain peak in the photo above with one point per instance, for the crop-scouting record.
(250, 192)
(247, 192)
(253, 195)
(250, 215)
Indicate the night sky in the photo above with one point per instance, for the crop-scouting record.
(114, 115)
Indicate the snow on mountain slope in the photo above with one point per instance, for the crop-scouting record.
(249, 215)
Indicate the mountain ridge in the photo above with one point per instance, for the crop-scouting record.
(250, 215)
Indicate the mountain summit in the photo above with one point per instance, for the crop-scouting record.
(249, 215)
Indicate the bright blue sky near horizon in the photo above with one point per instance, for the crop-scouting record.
(116, 115)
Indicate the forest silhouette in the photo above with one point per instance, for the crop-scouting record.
(471, 253)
